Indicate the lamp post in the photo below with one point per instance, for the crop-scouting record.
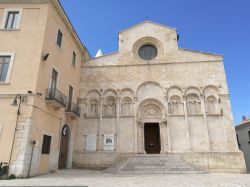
(19, 98)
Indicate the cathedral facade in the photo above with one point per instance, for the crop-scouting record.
(152, 97)
(69, 110)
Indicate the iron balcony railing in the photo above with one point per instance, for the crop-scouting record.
(54, 94)
(74, 108)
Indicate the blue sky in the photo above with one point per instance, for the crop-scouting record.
(219, 26)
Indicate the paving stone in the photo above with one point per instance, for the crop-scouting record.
(140, 179)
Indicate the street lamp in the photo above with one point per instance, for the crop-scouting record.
(15, 103)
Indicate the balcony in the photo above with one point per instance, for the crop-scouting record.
(73, 110)
(55, 98)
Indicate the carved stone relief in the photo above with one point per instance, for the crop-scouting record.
(151, 108)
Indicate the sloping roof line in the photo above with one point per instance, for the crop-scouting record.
(198, 51)
(244, 123)
(69, 24)
(147, 21)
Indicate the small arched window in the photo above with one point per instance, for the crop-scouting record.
(211, 105)
(110, 107)
(93, 107)
(126, 106)
(193, 104)
(175, 105)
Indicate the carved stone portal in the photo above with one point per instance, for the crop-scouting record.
(151, 111)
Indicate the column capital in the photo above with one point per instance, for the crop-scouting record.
(202, 97)
(163, 124)
(184, 97)
(136, 99)
(140, 124)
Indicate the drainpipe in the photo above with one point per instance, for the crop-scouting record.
(33, 145)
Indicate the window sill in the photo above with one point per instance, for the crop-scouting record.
(176, 115)
(9, 29)
(58, 47)
(127, 116)
(4, 83)
(109, 117)
(218, 114)
(189, 115)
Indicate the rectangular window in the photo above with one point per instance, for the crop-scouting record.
(54, 77)
(74, 59)
(46, 144)
(4, 67)
(12, 20)
(53, 83)
(70, 97)
(59, 38)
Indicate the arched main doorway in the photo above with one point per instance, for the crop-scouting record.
(64, 146)
(151, 127)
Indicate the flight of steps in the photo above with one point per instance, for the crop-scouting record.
(155, 164)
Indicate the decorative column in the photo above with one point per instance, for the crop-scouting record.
(99, 147)
(118, 111)
(186, 123)
(135, 125)
(140, 138)
(203, 111)
(168, 134)
(163, 132)
(169, 148)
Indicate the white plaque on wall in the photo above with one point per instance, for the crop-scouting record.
(90, 142)
(109, 142)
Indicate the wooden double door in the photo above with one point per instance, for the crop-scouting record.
(152, 138)
(63, 155)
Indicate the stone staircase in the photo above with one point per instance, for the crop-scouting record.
(155, 164)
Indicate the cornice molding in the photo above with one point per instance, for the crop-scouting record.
(149, 64)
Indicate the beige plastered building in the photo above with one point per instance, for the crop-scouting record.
(149, 97)
(42, 69)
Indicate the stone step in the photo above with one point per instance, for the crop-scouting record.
(157, 158)
(158, 162)
(167, 169)
(155, 164)
(163, 167)
(162, 172)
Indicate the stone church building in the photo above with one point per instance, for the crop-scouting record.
(150, 104)
(152, 97)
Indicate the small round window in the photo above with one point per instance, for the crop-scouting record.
(147, 52)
